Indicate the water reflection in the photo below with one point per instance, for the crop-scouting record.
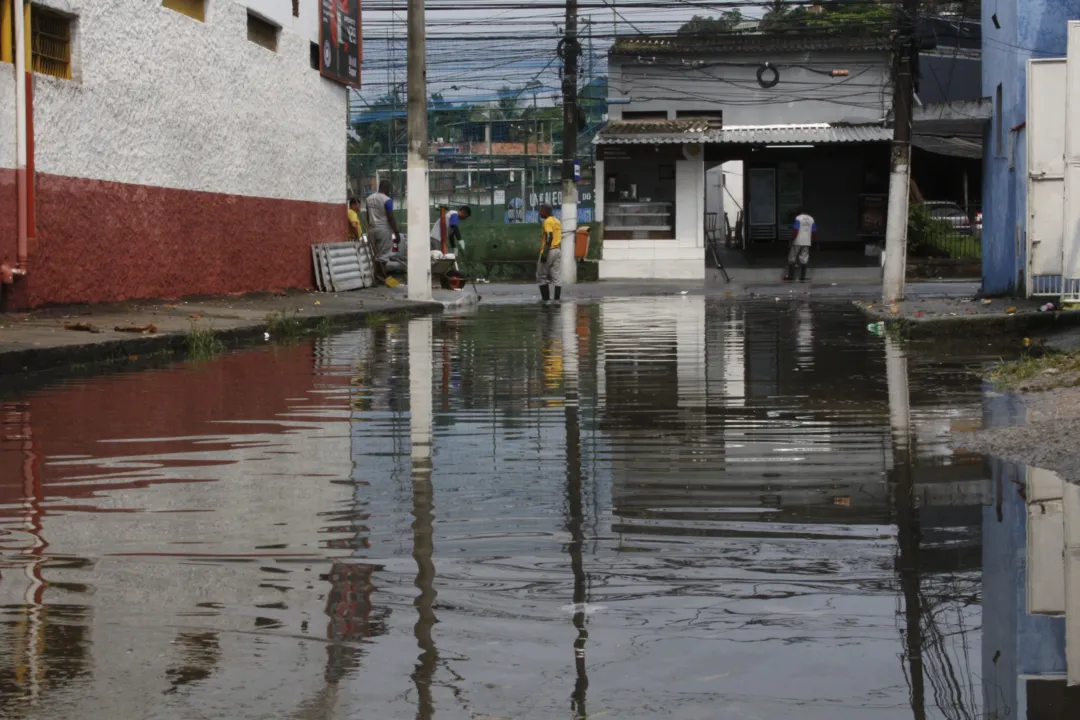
(719, 509)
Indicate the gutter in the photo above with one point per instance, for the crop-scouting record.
(24, 157)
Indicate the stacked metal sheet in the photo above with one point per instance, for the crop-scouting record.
(343, 266)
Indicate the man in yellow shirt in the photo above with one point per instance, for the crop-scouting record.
(354, 219)
(549, 267)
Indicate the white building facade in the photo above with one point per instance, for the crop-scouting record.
(179, 147)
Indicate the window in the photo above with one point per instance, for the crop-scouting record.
(703, 114)
(998, 120)
(50, 38)
(7, 31)
(315, 55)
(195, 9)
(262, 32)
(296, 8)
(645, 115)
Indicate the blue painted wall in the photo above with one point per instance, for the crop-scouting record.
(1029, 29)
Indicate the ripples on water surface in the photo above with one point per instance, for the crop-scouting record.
(632, 508)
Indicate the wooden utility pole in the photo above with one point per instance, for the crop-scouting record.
(569, 50)
(419, 253)
(895, 265)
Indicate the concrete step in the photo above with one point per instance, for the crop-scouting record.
(818, 275)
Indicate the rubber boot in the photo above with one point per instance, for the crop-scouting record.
(790, 274)
(545, 295)
(802, 273)
(558, 292)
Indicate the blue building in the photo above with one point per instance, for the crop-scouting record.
(1014, 31)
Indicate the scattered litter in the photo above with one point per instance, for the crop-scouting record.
(683, 292)
(392, 282)
(987, 301)
(776, 299)
(918, 314)
(1051, 371)
(318, 303)
(266, 336)
(1027, 342)
(150, 329)
(833, 284)
(196, 316)
(1048, 307)
(878, 328)
(894, 309)
(82, 327)
(1010, 310)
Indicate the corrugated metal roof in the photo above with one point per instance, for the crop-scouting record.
(802, 134)
(652, 132)
(629, 132)
(746, 43)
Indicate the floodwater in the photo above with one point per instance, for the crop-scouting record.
(668, 507)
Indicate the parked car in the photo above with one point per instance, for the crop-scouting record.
(951, 213)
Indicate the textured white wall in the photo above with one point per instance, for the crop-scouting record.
(7, 115)
(160, 99)
(280, 12)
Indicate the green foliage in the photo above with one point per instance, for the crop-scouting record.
(202, 343)
(931, 237)
(783, 16)
(700, 25)
(284, 326)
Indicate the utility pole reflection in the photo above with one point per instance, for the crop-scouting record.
(907, 520)
(420, 422)
(575, 521)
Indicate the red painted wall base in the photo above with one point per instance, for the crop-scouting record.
(107, 242)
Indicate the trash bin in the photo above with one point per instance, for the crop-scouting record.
(581, 242)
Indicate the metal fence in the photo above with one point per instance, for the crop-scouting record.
(945, 230)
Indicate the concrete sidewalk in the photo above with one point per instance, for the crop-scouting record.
(923, 315)
(53, 338)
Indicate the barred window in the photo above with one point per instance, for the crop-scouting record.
(262, 32)
(50, 38)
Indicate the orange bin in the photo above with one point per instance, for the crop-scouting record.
(581, 242)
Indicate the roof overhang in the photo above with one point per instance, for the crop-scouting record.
(667, 132)
(952, 128)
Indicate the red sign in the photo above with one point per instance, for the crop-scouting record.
(340, 41)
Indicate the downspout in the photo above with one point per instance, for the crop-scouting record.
(22, 150)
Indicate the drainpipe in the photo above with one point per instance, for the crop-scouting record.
(23, 168)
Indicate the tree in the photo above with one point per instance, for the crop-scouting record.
(700, 24)
(827, 16)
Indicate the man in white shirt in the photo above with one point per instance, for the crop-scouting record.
(803, 232)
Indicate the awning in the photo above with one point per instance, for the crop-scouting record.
(659, 132)
(963, 147)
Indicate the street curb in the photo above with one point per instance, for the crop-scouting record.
(975, 325)
(18, 365)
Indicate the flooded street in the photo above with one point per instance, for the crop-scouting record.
(667, 507)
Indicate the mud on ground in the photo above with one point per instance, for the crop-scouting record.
(1049, 440)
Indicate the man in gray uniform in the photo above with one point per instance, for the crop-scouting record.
(381, 225)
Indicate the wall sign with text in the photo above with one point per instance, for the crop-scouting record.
(340, 41)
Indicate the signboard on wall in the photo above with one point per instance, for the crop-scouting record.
(340, 42)
(872, 214)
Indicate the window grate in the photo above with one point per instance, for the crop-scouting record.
(50, 43)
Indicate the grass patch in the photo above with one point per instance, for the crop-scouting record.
(203, 343)
(1037, 373)
(376, 318)
(284, 326)
(324, 327)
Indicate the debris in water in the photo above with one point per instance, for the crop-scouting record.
(878, 328)
(82, 327)
(1010, 310)
(587, 608)
(266, 336)
(987, 301)
(150, 329)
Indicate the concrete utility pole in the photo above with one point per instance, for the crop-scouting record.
(892, 287)
(569, 50)
(419, 253)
